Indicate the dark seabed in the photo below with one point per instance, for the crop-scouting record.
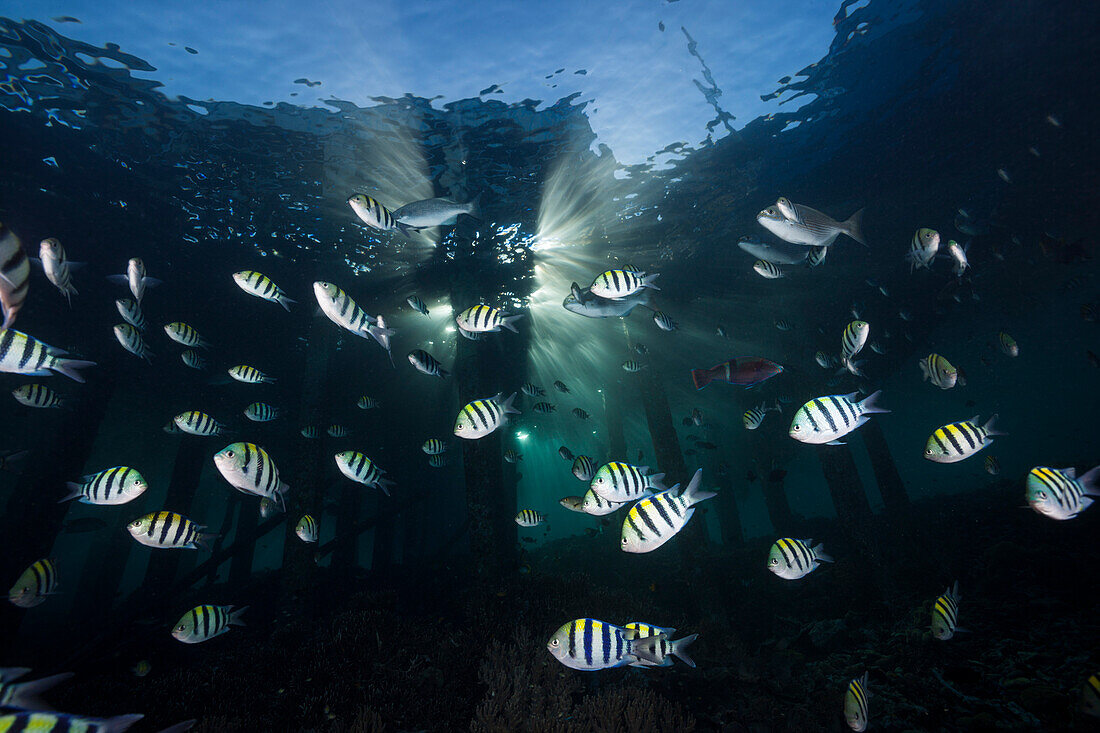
(431, 608)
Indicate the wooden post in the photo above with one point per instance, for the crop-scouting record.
(895, 498)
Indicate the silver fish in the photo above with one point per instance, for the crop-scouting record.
(800, 224)
(582, 302)
(434, 213)
(15, 273)
(57, 267)
(780, 253)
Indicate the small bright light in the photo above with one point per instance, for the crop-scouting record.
(523, 436)
(449, 329)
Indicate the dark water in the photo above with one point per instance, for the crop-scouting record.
(430, 609)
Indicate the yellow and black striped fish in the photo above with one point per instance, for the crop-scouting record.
(664, 321)
(792, 559)
(306, 529)
(945, 614)
(248, 468)
(484, 319)
(960, 440)
(855, 704)
(587, 644)
(1059, 493)
(250, 375)
(481, 417)
(15, 271)
(23, 696)
(131, 312)
(641, 630)
(35, 395)
(363, 470)
(529, 518)
(654, 521)
(438, 461)
(182, 333)
(198, 423)
(36, 582)
(261, 412)
(168, 529)
(205, 622)
(939, 370)
(131, 340)
(767, 270)
(374, 214)
(583, 468)
(619, 482)
(433, 446)
(923, 248)
(26, 355)
(616, 284)
(342, 310)
(193, 359)
(594, 504)
(260, 285)
(1090, 696)
(851, 343)
(336, 431)
(42, 722)
(111, 487)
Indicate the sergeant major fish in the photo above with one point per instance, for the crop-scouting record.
(249, 469)
(131, 340)
(425, 363)
(481, 417)
(261, 286)
(363, 470)
(26, 355)
(203, 623)
(170, 530)
(374, 214)
(792, 559)
(960, 440)
(587, 644)
(619, 482)
(1059, 493)
(617, 284)
(827, 419)
(655, 520)
(37, 582)
(306, 529)
(938, 369)
(111, 487)
(57, 267)
(945, 614)
(855, 704)
(484, 319)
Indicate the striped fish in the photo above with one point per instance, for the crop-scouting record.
(939, 370)
(658, 650)
(110, 487)
(1059, 493)
(193, 359)
(512, 456)
(783, 324)
(24, 695)
(45, 722)
(578, 412)
(171, 428)
(342, 310)
(529, 518)
(260, 285)
(310, 431)
(26, 355)
(851, 343)
(433, 446)
(561, 387)
(544, 408)
(483, 319)
(198, 423)
(425, 363)
(824, 360)
(15, 272)
(336, 431)
(368, 403)
(417, 304)
(621, 482)
(855, 704)
(654, 521)
(633, 366)
(566, 454)
(767, 270)
(594, 504)
(992, 467)
(616, 284)
(587, 644)
(481, 417)
(131, 340)
(945, 614)
(470, 335)
(35, 395)
(642, 630)
(827, 419)
(583, 468)
(249, 469)
(1008, 344)
(374, 214)
(306, 529)
(959, 440)
(438, 461)
(261, 412)
(205, 622)
(250, 375)
(135, 278)
(268, 508)
(131, 313)
(36, 582)
(792, 559)
(363, 470)
(532, 390)
(922, 249)
(169, 530)
(573, 503)
(752, 418)
(57, 267)
(816, 256)
(1090, 696)
(877, 347)
(664, 322)
(184, 334)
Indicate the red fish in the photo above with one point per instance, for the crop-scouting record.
(745, 370)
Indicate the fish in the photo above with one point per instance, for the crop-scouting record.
(131, 340)
(366, 402)
(783, 324)
(825, 361)
(336, 431)
(572, 503)
(939, 370)
(696, 416)
(633, 366)
(767, 270)
(855, 704)
(169, 530)
(193, 359)
(800, 224)
(642, 630)
(720, 331)
(752, 418)
(198, 423)
(15, 275)
(664, 322)
(544, 408)
(658, 650)
(268, 508)
(481, 417)
(578, 412)
(382, 334)
(582, 302)
(529, 518)
(374, 214)
(566, 454)
(171, 428)
(131, 313)
(142, 668)
(249, 469)
(583, 468)
(35, 395)
(37, 582)
(135, 278)
(48, 722)
(433, 446)
(306, 529)
(992, 467)
(532, 390)
(958, 254)
(923, 248)
(363, 470)
(792, 559)
(438, 461)
(433, 213)
(829, 418)
(1008, 344)
(110, 487)
(960, 440)
(260, 285)
(249, 375)
(851, 343)
(26, 355)
(618, 284)
(425, 363)
(945, 614)
(745, 371)
(655, 520)
(417, 304)
(342, 310)
(778, 253)
(484, 319)
(261, 412)
(587, 644)
(57, 267)
(876, 347)
(511, 456)
(310, 431)
(560, 385)
(816, 256)
(619, 482)
(203, 623)
(1059, 493)
(23, 696)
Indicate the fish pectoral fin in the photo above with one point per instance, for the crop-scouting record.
(836, 442)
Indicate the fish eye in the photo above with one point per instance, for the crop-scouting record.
(624, 540)
(1042, 494)
(796, 428)
(927, 451)
(773, 561)
(181, 627)
(554, 642)
(229, 454)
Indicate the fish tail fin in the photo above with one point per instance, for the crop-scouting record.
(25, 695)
(75, 490)
(285, 302)
(854, 227)
(990, 427)
(405, 228)
(1090, 482)
(507, 406)
(657, 482)
(647, 281)
(868, 404)
(820, 554)
(474, 207)
(119, 723)
(679, 648)
(68, 367)
(279, 495)
(180, 727)
(507, 322)
(693, 494)
(203, 539)
(385, 484)
(701, 377)
(235, 616)
(778, 407)
(443, 373)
